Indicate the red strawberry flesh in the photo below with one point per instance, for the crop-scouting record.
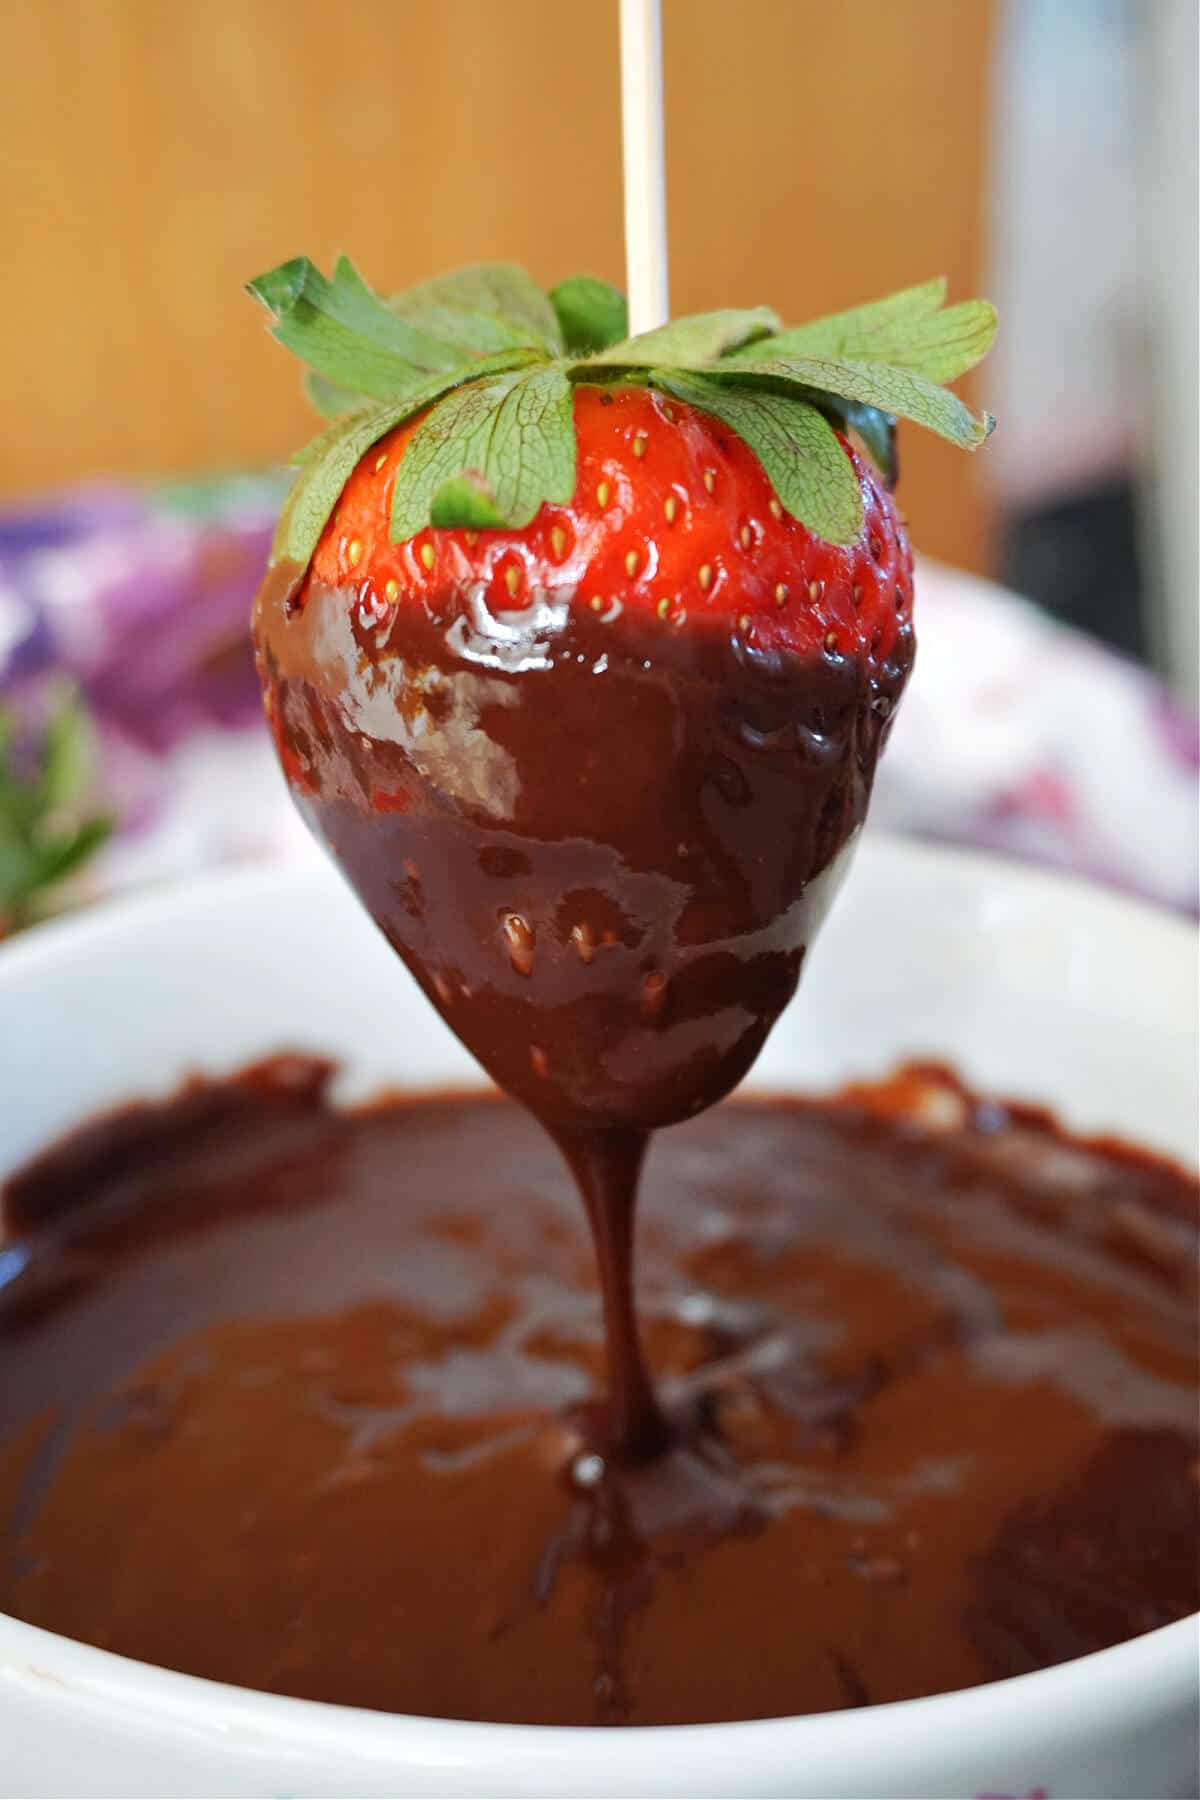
(673, 517)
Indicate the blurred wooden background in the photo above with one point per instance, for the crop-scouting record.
(157, 153)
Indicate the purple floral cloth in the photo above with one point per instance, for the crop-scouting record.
(1020, 736)
(1016, 734)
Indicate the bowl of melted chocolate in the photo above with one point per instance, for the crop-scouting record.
(339, 1455)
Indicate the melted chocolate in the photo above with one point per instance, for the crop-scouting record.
(601, 845)
(297, 1398)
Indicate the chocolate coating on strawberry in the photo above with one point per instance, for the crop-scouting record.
(600, 832)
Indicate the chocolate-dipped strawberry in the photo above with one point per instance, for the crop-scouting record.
(580, 651)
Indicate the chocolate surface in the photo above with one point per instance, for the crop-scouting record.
(299, 1399)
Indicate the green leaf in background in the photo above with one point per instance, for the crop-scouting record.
(513, 434)
(18, 799)
(66, 852)
(330, 460)
(486, 307)
(910, 330)
(804, 462)
(66, 753)
(688, 342)
(45, 831)
(591, 314)
(901, 392)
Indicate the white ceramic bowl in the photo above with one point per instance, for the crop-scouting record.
(1031, 986)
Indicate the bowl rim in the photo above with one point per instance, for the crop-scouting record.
(84, 1676)
(1162, 1660)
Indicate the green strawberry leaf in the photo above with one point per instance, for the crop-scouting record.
(514, 435)
(948, 345)
(281, 287)
(325, 467)
(466, 503)
(326, 398)
(899, 391)
(809, 470)
(693, 342)
(472, 334)
(880, 324)
(480, 348)
(479, 305)
(330, 460)
(592, 315)
(357, 304)
(344, 332)
(910, 330)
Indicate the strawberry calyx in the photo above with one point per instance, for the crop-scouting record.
(491, 361)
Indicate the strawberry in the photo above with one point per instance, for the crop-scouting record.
(579, 653)
(672, 518)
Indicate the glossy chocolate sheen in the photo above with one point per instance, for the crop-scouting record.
(294, 1398)
(601, 844)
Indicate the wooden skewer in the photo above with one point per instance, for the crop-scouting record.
(645, 175)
